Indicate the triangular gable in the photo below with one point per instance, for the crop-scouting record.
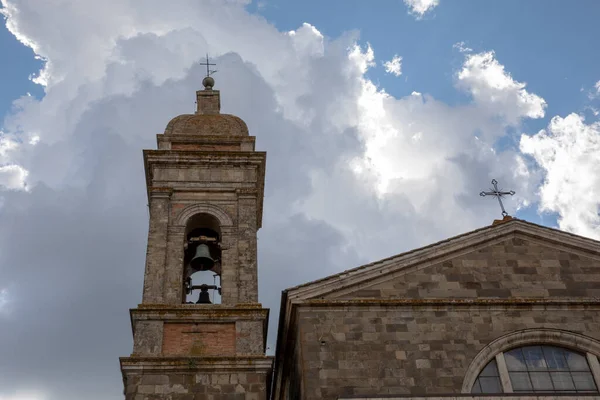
(436, 271)
(580, 259)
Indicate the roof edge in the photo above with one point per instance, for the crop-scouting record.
(447, 246)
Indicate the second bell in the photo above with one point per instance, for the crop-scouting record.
(202, 261)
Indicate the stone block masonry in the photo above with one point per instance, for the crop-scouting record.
(417, 350)
(199, 386)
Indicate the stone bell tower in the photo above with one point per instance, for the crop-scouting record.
(205, 190)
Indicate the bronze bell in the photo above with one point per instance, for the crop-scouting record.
(204, 297)
(202, 261)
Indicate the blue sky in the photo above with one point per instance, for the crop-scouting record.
(362, 163)
(529, 37)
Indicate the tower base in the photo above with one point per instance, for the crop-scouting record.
(197, 378)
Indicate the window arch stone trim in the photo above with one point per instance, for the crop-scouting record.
(203, 208)
(557, 337)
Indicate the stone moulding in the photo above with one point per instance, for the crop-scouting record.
(199, 313)
(161, 138)
(213, 159)
(203, 208)
(214, 364)
(195, 314)
(541, 303)
(562, 338)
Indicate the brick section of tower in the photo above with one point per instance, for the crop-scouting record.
(205, 167)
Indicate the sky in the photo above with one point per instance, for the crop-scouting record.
(382, 122)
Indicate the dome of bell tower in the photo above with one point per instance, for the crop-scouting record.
(207, 120)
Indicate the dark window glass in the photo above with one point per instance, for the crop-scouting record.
(534, 358)
(490, 384)
(520, 381)
(584, 381)
(488, 380)
(577, 362)
(548, 369)
(515, 361)
(562, 381)
(490, 370)
(541, 381)
(555, 358)
(539, 369)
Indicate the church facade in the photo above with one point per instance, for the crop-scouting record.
(511, 310)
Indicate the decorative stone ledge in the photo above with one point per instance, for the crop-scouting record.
(446, 303)
(213, 364)
(195, 313)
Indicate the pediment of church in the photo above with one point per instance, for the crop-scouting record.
(515, 259)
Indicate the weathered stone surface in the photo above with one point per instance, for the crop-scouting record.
(147, 340)
(516, 268)
(358, 351)
(225, 386)
(249, 337)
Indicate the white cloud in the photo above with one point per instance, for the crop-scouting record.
(353, 173)
(494, 89)
(462, 47)
(568, 152)
(394, 66)
(420, 7)
(13, 177)
(595, 92)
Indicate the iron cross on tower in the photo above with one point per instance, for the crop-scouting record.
(209, 72)
(498, 193)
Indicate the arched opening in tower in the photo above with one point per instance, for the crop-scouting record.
(202, 260)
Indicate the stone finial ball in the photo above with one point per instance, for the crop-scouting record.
(208, 82)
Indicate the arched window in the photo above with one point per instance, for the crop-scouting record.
(535, 369)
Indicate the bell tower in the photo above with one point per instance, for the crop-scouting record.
(200, 332)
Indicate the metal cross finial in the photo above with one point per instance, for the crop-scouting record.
(498, 193)
(209, 72)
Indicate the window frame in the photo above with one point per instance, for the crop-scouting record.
(531, 337)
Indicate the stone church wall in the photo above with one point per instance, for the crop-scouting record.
(413, 350)
(515, 267)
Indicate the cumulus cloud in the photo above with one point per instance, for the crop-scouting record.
(353, 173)
(13, 177)
(394, 66)
(494, 89)
(419, 7)
(568, 151)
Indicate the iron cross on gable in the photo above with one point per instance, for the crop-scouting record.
(209, 72)
(498, 193)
